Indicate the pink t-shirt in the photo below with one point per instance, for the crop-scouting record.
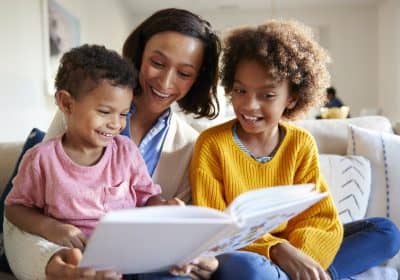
(79, 195)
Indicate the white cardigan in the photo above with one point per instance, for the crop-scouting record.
(28, 254)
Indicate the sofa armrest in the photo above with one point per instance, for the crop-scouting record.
(9, 153)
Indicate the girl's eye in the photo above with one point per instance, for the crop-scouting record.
(124, 115)
(268, 95)
(238, 90)
(103, 112)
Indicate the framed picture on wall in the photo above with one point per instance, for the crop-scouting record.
(62, 32)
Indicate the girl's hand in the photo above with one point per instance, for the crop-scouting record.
(296, 264)
(199, 269)
(66, 235)
(63, 265)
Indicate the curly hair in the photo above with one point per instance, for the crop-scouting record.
(287, 50)
(201, 99)
(93, 63)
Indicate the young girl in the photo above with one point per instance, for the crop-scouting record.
(273, 72)
(66, 184)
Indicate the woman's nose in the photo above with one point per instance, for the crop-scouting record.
(167, 79)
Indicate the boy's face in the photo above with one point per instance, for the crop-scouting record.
(95, 117)
(258, 100)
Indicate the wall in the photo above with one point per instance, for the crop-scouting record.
(389, 58)
(24, 104)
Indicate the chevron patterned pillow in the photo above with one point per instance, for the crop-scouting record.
(383, 151)
(349, 180)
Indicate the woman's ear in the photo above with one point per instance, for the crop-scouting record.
(64, 101)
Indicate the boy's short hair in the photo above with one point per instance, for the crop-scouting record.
(88, 65)
(288, 51)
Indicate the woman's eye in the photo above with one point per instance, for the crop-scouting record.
(103, 112)
(268, 95)
(156, 63)
(124, 115)
(184, 75)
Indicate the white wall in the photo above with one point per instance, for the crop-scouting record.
(389, 58)
(24, 104)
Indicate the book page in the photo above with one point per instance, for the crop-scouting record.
(257, 213)
(151, 239)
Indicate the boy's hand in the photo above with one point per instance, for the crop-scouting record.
(64, 265)
(66, 235)
(297, 264)
(199, 269)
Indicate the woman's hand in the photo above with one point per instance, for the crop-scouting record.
(64, 265)
(296, 264)
(66, 235)
(199, 269)
(158, 200)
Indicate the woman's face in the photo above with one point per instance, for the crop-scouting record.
(170, 65)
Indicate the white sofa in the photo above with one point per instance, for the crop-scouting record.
(331, 137)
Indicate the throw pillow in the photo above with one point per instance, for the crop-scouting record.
(349, 180)
(383, 151)
(35, 136)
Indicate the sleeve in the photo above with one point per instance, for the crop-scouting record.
(317, 231)
(27, 254)
(141, 183)
(57, 126)
(205, 177)
(28, 184)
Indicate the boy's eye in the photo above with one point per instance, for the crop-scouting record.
(103, 112)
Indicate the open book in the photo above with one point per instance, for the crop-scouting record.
(152, 239)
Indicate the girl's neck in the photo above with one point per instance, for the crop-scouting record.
(262, 144)
(141, 122)
(79, 153)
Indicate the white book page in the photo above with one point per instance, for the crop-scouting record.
(151, 239)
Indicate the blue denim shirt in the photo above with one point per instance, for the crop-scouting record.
(153, 141)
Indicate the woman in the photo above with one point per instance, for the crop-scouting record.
(176, 53)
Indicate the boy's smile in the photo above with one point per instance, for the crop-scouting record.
(95, 117)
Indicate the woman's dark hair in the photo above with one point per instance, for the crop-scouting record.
(89, 65)
(201, 99)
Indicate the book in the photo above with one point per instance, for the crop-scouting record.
(153, 239)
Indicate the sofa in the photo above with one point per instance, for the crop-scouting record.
(342, 163)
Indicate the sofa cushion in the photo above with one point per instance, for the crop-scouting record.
(383, 151)
(331, 134)
(349, 180)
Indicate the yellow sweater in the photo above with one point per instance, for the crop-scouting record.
(220, 171)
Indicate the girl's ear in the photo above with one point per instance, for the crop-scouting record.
(292, 101)
(64, 101)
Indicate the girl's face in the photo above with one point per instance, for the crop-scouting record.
(258, 101)
(170, 65)
(97, 116)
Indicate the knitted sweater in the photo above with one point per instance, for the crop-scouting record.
(220, 171)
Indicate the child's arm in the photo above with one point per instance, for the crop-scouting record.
(33, 221)
(295, 263)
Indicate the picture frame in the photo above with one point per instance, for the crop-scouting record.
(61, 33)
